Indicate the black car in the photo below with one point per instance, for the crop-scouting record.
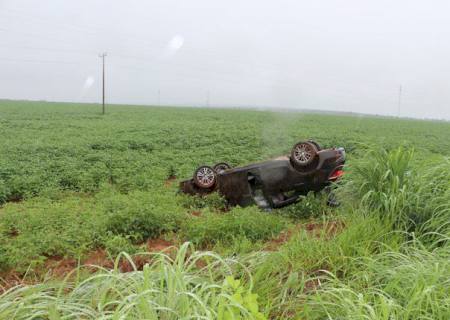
(273, 183)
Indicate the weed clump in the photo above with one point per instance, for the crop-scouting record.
(410, 195)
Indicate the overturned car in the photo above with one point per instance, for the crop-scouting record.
(273, 183)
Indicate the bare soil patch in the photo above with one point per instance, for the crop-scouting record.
(169, 181)
(196, 213)
(59, 267)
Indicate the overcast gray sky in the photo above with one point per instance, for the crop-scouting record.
(331, 55)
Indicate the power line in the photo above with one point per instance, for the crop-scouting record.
(47, 49)
(39, 61)
(88, 32)
(188, 72)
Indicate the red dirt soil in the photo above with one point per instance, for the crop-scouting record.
(155, 245)
(59, 267)
(196, 213)
(282, 238)
(10, 280)
(169, 181)
(101, 258)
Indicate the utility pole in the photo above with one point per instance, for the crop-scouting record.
(103, 55)
(399, 100)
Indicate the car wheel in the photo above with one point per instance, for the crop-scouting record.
(316, 144)
(303, 153)
(222, 166)
(205, 177)
(332, 200)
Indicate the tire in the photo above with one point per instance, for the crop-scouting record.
(221, 167)
(332, 200)
(316, 144)
(303, 153)
(205, 177)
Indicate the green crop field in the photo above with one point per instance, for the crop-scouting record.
(92, 225)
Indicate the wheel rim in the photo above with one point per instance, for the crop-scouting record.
(206, 177)
(303, 153)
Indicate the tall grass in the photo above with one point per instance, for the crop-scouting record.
(414, 196)
(285, 278)
(411, 284)
(167, 288)
(384, 179)
(393, 277)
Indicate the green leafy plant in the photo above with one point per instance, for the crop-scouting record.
(4, 192)
(309, 206)
(142, 216)
(213, 201)
(116, 244)
(211, 228)
(238, 303)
